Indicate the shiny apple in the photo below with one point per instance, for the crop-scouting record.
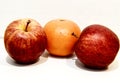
(25, 40)
(97, 46)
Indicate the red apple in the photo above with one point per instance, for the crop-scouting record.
(25, 40)
(97, 46)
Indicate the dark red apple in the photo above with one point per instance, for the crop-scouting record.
(25, 40)
(97, 46)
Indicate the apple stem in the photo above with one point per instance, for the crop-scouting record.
(28, 22)
(73, 34)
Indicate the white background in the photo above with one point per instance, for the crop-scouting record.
(58, 70)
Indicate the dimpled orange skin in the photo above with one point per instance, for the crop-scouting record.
(62, 35)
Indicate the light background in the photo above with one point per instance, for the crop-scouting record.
(56, 70)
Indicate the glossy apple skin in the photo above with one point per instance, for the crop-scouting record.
(25, 46)
(97, 46)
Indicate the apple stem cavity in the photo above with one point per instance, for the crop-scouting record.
(73, 34)
(62, 20)
(28, 22)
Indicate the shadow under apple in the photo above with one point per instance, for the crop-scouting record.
(82, 66)
(42, 59)
(78, 65)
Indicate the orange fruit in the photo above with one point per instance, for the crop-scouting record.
(62, 34)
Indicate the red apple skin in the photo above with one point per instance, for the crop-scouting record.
(97, 46)
(25, 46)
